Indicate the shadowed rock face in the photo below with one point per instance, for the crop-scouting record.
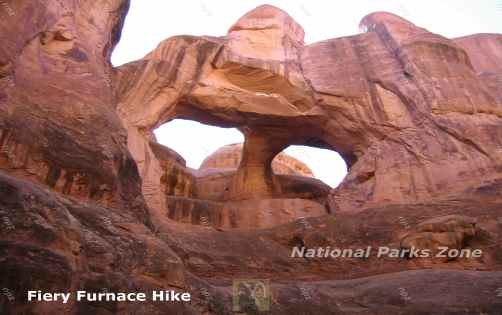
(89, 200)
(202, 197)
(58, 124)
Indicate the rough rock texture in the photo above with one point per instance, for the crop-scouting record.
(201, 196)
(90, 201)
(449, 231)
(405, 107)
(57, 121)
(230, 156)
(485, 53)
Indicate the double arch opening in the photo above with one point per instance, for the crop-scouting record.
(196, 142)
(216, 171)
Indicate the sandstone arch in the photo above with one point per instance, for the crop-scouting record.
(380, 107)
(416, 114)
(218, 81)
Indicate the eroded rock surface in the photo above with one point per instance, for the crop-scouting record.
(203, 196)
(229, 157)
(89, 200)
(441, 234)
(405, 107)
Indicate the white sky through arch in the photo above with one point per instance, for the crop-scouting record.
(151, 21)
(195, 141)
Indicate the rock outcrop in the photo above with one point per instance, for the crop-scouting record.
(202, 197)
(452, 232)
(57, 119)
(90, 201)
(368, 96)
(229, 157)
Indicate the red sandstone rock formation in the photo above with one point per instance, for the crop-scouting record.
(89, 200)
(230, 156)
(202, 196)
(369, 97)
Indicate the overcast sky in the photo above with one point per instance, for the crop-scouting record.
(151, 21)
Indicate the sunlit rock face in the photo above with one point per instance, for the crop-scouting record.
(415, 110)
(405, 107)
(90, 200)
(485, 53)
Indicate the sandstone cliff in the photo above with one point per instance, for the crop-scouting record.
(89, 200)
